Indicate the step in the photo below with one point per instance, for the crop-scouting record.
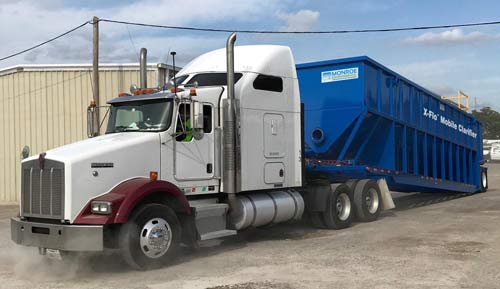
(210, 220)
(217, 234)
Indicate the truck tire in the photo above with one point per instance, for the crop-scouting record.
(367, 200)
(339, 212)
(151, 237)
(484, 181)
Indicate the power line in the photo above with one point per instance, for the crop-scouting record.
(303, 32)
(254, 31)
(47, 41)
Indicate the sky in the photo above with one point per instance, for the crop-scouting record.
(442, 60)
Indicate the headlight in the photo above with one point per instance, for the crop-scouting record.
(100, 207)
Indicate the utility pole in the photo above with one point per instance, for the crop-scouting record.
(95, 71)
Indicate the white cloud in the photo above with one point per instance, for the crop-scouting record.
(450, 37)
(302, 20)
(25, 23)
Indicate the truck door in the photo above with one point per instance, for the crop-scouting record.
(194, 151)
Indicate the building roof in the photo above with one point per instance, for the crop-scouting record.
(81, 66)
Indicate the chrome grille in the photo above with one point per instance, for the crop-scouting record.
(42, 190)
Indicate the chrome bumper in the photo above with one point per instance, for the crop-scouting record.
(54, 236)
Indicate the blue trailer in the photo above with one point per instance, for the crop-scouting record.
(365, 121)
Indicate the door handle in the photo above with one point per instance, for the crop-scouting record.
(209, 168)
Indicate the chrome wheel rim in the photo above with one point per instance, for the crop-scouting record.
(483, 179)
(155, 238)
(372, 201)
(343, 207)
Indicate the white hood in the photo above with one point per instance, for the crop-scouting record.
(94, 166)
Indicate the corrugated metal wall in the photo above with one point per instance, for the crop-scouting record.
(48, 108)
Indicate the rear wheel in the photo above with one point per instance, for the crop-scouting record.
(367, 200)
(151, 237)
(484, 180)
(338, 213)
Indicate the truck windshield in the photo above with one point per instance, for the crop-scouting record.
(149, 116)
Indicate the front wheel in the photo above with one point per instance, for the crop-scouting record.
(151, 237)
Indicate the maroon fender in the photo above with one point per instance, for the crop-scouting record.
(125, 196)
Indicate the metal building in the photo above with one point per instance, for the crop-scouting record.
(45, 106)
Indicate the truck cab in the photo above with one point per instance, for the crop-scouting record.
(184, 164)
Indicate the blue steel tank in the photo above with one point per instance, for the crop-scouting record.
(362, 119)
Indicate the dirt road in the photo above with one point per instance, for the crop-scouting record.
(429, 241)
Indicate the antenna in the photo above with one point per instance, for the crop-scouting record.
(173, 53)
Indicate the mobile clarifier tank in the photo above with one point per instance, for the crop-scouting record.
(363, 120)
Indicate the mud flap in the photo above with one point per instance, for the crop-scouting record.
(387, 202)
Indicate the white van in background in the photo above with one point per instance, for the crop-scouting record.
(495, 152)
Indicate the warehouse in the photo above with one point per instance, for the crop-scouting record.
(45, 106)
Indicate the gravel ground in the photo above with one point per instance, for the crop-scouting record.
(429, 241)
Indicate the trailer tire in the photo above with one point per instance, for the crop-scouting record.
(151, 237)
(484, 180)
(339, 209)
(367, 200)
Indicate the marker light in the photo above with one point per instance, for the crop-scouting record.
(93, 103)
(100, 207)
(192, 92)
(153, 176)
(176, 89)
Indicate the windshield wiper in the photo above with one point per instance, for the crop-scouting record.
(123, 128)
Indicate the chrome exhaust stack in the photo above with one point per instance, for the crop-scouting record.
(143, 68)
(229, 142)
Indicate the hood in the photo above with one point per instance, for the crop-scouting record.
(94, 166)
(97, 146)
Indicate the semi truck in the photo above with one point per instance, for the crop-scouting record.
(245, 138)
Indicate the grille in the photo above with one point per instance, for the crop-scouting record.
(42, 190)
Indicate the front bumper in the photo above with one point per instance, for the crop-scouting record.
(54, 236)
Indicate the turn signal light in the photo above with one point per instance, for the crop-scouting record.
(93, 103)
(144, 91)
(192, 92)
(153, 176)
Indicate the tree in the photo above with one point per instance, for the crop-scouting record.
(491, 122)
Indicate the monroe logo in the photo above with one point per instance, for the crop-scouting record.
(339, 75)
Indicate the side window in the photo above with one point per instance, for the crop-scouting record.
(207, 118)
(183, 129)
(267, 82)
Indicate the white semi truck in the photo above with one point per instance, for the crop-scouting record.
(220, 151)
(173, 163)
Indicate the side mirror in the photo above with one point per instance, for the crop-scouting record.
(197, 116)
(92, 122)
